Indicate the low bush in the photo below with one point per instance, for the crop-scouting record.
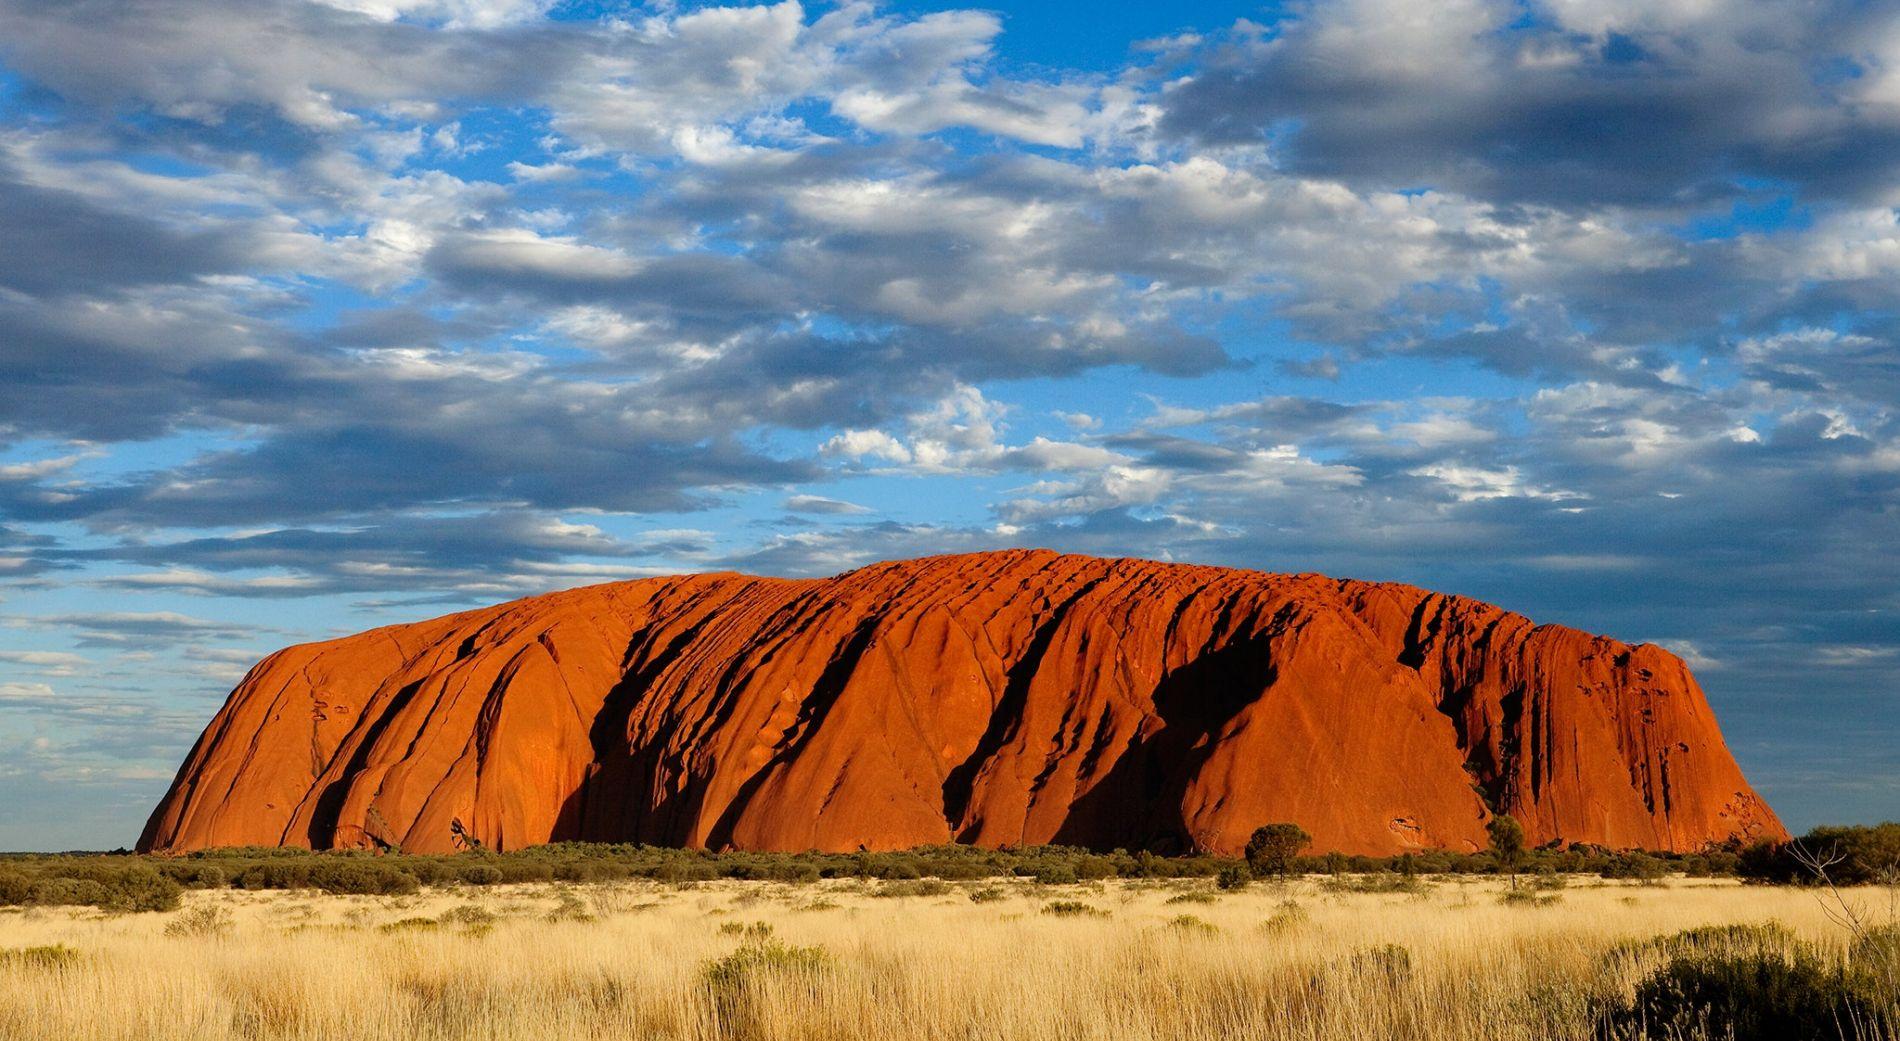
(1528, 898)
(1387, 963)
(1193, 896)
(1852, 856)
(914, 887)
(1760, 983)
(1377, 882)
(1638, 866)
(1288, 916)
(125, 884)
(205, 920)
(569, 908)
(130, 882)
(479, 874)
(52, 956)
(473, 916)
(734, 981)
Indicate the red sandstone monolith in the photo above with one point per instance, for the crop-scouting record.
(1002, 699)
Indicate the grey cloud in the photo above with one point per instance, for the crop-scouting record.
(482, 555)
(818, 504)
(138, 628)
(1486, 101)
(61, 243)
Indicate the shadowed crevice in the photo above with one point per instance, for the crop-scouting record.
(323, 816)
(811, 715)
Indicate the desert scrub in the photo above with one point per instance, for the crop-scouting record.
(204, 920)
(569, 908)
(1072, 909)
(1378, 882)
(1287, 916)
(1640, 867)
(1386, 964)
(608, 901)
(739, 984)
(748, 930)
(1757, 983)
(472, 919)
(48, 956)
(1193, 896)
(913, 887)
(409, 925)
(1192, 925)
(123, 884)
(1528, 899)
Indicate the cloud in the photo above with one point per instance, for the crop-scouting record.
(47, 663)
(111, 629)
(1615, 106)
(818, 504)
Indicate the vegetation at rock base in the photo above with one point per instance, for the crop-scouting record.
(1273, 848)
(122, 882)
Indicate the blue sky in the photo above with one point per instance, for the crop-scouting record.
(321, 315)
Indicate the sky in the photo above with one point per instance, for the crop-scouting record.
(317, 315)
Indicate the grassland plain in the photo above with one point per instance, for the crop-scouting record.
(1315, 957)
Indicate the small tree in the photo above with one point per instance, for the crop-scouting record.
(1272, 848)
(1507, 842)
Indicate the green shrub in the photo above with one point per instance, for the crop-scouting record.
(1188, 923)
(1055, 875)
(473, 916)
(568, 908)
(1639, 866)
(108, 883)
(914, 887)
(1758, 983)
(53, 956)
(1379, 882)
(1233, 877)
(1528, 898)
(1386, 963)
(479, 874)
(205, 920)
(1288, 916)
(1874, 967)
(732, 982)
(1272, 848)
(1858, 856)
(360, 876)
(16, 887)
(1749, 997)
(1071, 909)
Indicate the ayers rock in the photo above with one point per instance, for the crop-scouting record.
(995, 698)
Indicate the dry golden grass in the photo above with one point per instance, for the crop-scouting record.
(632, 961)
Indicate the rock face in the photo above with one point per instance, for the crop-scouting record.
(999, 698)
